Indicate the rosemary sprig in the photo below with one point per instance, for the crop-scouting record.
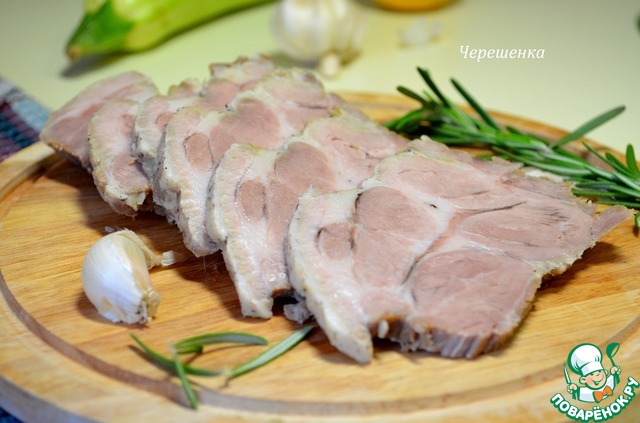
(442, 120)
(195, 344)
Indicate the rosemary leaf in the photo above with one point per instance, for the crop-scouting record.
(454, 110)
(618, 165)
(427, 79)
(597, 184)
(513, 130)
(592, 193)
(631, 193)
(562, 163)
(615, 192)
(271, 354)
(186, 385)
(516, 145)
(559, 170)
(589, 126)
(475, 105)
(609, 159)
(409, 123)
(564, 160)
(451, 130)
(195, 343)
(632, 164)
(630, 204)
(628, 182)
(412, 94)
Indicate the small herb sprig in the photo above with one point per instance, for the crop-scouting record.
(196, 345)
(442, 120)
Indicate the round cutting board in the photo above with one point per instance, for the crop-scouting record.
(59, 360)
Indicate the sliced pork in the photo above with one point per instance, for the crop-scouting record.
(195, 139)
(254, 192)
(225, 81)
(229, 79)
(150, 123)
(116, 172)
(66, 130)
(189, 87)
(438, 251)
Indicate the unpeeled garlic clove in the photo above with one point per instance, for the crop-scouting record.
(115, 278)
(328, 32)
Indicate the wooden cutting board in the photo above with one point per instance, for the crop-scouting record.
(59, 360)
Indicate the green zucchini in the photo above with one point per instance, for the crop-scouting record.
(117, 26)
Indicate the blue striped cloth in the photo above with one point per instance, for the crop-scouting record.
(7, 418)
(21, 120)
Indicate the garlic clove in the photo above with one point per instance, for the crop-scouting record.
(115, 278)
(310, 30)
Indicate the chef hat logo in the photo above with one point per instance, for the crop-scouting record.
(585, 359)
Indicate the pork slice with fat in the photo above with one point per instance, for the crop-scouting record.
(153, 115)
(228, 79)
(117, 173)
(66, 130)
(254, 192)
(150, 123)
(189, 87)
(195, 139)
(438, 251)
(225, 81)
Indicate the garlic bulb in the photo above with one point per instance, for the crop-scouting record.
(115, 278)
(327, 32)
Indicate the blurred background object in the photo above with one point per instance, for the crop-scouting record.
(21, 120)
(412, 5)
(323, 33)
(119, 26)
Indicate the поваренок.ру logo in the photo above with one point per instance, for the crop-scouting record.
(592, 383)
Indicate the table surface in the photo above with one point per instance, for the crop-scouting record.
(590, 63)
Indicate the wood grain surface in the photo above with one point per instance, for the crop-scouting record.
(60, 361)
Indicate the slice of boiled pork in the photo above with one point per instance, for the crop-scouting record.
(438, 251)
(116, 172)
(66, 129)
(254, 192)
